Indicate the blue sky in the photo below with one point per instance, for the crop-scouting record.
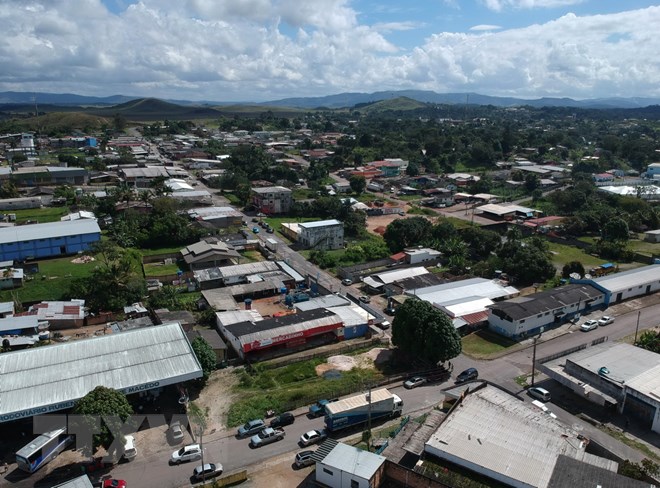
(256, 50)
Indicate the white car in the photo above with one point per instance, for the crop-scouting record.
(589, 325)
(539, 393)
(208, 471)
(191, 452)
(605, 320)
(312, 437)
(176, 432)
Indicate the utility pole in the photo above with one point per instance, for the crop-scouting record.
(534, 354)
(369, 420)
(637, 327)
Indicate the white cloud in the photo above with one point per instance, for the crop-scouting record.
(499, 5)
(268, 49)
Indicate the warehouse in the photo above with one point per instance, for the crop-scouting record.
(51, 378)
(627, 284)
(282, 335)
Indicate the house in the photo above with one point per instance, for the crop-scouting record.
(531, 314)
(212, 337)
(46, 240)
(216, 217)
(82, 214)
(20, 203)
(272, 199)
(204, 254)
(652, 235)
(50, 175)
(60, 315)
(342, 466)
(142, 177)
(653, 171)
(324, 234)
(11, 278)
(342, 187)
(417, 255)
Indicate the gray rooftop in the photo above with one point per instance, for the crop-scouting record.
(271, 189)
(463, 290)
(572, 473)
(220, 299)
(358, 462)
(319, 223)
(325, 301)
(49, 230)
(632, 278)
(79, 482)
(51, 378)
(496, 432)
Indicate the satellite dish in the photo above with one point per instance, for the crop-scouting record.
(587, 276)
(575, 276)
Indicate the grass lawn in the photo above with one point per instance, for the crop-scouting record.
(644, 247)
(409, 198)
(161, 250)
(154, 270)
(562, 254)
(40, 215)
(422, 211)
(58, 275)
(484, 344)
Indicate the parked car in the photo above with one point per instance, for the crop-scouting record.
(255, 230)
(318, 409)
(605, 320)
(414, 382)
(365, 299)
(304, 458)
(251, 427)
(270, 230)
(283, 419)
(385, 324)
(589, 325)
(130, 450)
(467, 375)
(208, 471)
(176, 432)
(312, 437)
(266, 436)
(191, 452)
(539, 393)
(346, 282)
(390, 310)
(113, 483)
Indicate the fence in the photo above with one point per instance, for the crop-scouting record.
(410, 478)
(559, 354)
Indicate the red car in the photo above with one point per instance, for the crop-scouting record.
(112, 483)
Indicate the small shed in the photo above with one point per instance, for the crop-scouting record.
(342, 466)
(652, 235)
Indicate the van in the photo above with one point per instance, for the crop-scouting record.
(129, 448)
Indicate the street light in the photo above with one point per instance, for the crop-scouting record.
(534, 354)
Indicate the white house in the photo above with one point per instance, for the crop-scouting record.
(416, 255)
(324, 234)
(346, 466)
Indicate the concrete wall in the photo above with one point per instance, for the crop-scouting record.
(409, 478)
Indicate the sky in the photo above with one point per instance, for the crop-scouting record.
(260, 50)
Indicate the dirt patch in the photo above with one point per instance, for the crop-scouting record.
(366, 360)
(216, 398)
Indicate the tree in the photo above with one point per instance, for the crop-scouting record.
(421, 330)
(649, 340)
(403, 233)
(108, 404)
(358, 184)
(205, 356)
(572, 267)
(616, 230)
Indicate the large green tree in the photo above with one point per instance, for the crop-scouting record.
(409, 232)
(421, 330)
(205, 355)
(110, 406)
(358, 184)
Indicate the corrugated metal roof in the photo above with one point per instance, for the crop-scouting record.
(49, 230)
(457, 290)
(624, 361)
(349, 459)
(249, 332)
(325, 301)
(56, 375)
(247, 269)
(360, 400)
(320, 223)
(633, 278)
(237, 316)
(298, 278)
(495, 431)
(352, 315)
(79, 482)
(388, 277)
(547, 300)
(647, 383)
(20, 322)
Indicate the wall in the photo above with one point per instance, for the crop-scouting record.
(409, 478)
(40, 248)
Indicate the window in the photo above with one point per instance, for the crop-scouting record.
(355, 484)
(539, 316)
(327, 471)
(522, 321)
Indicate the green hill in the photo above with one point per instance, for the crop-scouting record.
(61, 122)
(400, 104)
(146, 109)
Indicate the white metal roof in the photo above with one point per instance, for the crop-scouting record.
(320, 223)
(247, 269)
(237, 316)
(15, 323)
(647, 383)
(625, 362)
(51, 378)
(463, 290)
(358, 462)
(633, 278)
(49, 230)
(388, 277)
(494, 431)
(352, 315)
(461, 307)
(325, 301)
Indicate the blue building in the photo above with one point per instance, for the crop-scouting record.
(46, 240)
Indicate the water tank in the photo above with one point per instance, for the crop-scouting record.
(248, 303)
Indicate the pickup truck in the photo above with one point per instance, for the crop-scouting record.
(267, 436)
(318, 409)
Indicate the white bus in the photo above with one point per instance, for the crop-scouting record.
(43, 450)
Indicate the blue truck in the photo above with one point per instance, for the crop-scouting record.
(357, 409)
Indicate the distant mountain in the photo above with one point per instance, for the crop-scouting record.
(143, 109)
(344, 100)
(60, 98)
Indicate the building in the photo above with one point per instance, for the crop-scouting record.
(576, 474)
(20, 203)
(378, 280)
(46, 240)
(233, 275)
(79, 482)
(60, 315)
(50, 175)
(652, 235)
(282, 335)
(212, 337)
(418, 255)
(203, 255)
(507, 212)
(11, 277)
(272, 199)
(342, 466)
(614, 376)
(531, 314)
(653, 171)
(324, 234)
(22, 331)
(627, 284)
(500, 437)
(142, 177)
(216, 217)
(148, 358)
